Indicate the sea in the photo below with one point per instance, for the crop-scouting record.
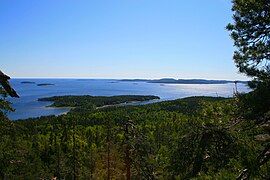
(28, 106)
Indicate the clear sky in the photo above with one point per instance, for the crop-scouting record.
(116, 39)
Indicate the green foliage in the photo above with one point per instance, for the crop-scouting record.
(251, 34)
(256, 104)
(5, 106)
(187, 138)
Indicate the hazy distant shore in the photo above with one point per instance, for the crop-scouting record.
(183, 81)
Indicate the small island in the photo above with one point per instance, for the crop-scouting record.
(45, 84)
(28, 82)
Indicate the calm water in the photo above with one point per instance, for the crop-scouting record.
(28, 106)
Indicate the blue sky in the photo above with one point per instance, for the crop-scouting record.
(116, 39)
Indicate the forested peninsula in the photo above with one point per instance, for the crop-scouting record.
(92, 102)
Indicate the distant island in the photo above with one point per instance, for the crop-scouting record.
(45, 84)
(183, 81)
(27, 82)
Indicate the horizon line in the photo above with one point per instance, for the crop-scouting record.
(100, 78)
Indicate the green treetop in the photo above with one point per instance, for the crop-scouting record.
(251, 34)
